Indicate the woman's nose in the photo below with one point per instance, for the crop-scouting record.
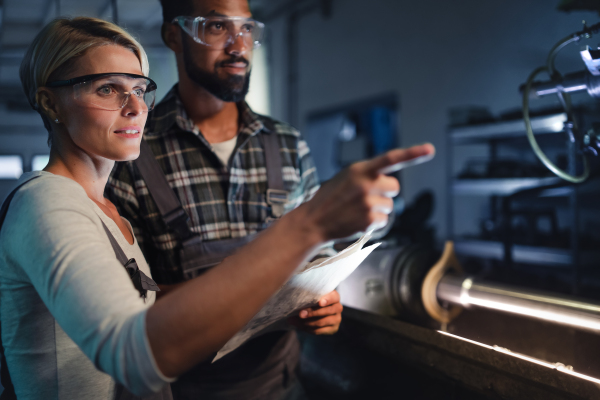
(133, 105)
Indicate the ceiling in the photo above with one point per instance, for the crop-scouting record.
(22, 19)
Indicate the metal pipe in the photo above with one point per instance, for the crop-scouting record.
(571, 83)
(468, 292)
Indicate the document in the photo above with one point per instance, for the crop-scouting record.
(304, 289)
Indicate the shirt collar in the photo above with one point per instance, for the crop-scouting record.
(170, 112)
(250, 122)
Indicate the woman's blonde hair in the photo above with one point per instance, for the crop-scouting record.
(55, 49)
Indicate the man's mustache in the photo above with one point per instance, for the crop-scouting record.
(234, 60)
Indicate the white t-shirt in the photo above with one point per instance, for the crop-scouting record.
(67, 306)
(224, 149)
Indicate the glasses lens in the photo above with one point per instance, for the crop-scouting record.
(149, 98)
(112, 92)
(221, 32)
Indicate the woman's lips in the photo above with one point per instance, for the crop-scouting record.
(131, 132)
(129, 135)
(129, 129)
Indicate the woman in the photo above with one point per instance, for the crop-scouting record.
(68, 308)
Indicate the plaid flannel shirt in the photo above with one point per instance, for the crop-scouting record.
(222, 201)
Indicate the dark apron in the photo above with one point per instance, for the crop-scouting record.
(265, 364)
(141, 282)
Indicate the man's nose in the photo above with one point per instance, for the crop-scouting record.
(238, 46)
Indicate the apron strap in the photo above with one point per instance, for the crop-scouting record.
(167, 202)
(141, 281)
(277, 196)
(115, 245)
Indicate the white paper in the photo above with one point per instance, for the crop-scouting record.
(303, 290)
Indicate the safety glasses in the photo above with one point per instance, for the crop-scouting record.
(111, 91)
(221, 32)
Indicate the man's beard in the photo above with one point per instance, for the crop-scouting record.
(232, 89)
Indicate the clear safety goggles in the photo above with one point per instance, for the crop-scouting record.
(221, 32)
(111, 91)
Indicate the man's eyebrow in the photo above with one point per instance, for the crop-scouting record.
(214, 13)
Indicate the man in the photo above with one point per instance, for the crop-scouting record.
(215, 154)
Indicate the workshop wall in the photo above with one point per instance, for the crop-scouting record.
(435, 54)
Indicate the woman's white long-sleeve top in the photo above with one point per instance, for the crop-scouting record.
(68, 309)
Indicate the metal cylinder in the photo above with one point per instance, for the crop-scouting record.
(369, 286)
(389, 282)
(571, 83)
(468, 292)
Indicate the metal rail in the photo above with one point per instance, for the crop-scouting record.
(468, 292)
(572, 83)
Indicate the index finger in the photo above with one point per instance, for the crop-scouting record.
(395, 156)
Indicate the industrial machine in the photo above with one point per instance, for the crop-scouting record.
(420, 289)
(587, 80)
(403, 282)
(415, 324)
(409, 282)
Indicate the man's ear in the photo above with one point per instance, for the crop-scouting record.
(46, 102)
(171, 35)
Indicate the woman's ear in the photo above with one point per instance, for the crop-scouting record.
(46, 102)
(171, 35)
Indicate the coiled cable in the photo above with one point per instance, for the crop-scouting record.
(565, 100)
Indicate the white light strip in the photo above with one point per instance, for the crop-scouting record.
(558, 366)
(11, 167)
(572, 320)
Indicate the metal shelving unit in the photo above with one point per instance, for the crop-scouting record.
(503, 191)
(499, 187)
(507, 129)
(538, 255)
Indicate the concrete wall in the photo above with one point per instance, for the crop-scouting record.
(435, 54)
